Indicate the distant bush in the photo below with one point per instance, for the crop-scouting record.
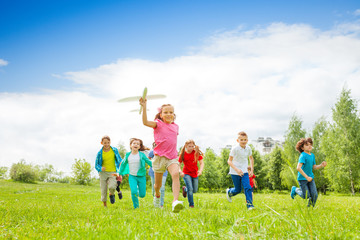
(81, 172)
(44, 172)
(23, 172)
(65, 179)
(3, 172)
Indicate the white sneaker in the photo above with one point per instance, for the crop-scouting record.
(251, 208)
(227, 195)
(177, 206)
(156, 202)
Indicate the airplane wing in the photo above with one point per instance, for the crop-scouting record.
(157, 96)
(145, 96)
(130, 99)
(136, 98)
(136, 110)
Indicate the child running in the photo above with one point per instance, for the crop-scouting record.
(166, 158)
(134, 165)
(305, 172)
(252, 183)
(152, 177)
(238, 161)
(190, 155)
(107, 163)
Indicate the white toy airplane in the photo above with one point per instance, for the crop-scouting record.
(144, 96)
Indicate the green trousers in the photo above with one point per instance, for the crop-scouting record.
(137, 188)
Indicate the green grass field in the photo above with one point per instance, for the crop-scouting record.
(63, 211)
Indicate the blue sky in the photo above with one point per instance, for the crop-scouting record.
(226, 66)
(41, 38)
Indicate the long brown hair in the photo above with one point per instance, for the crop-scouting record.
(157, 116)
(197, 151)
(142, 147)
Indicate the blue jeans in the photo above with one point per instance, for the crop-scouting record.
(307, 190)
(162, 189)
(192, 185)
(137, 188)
(245, 183)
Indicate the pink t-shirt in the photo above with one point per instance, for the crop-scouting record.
(165, 136)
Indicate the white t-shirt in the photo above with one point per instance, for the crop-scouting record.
(240, 158)
(134, 163)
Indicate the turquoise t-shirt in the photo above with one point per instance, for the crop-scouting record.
(308, 161)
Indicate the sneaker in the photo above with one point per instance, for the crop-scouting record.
(251, 208)
(184, 191)
(293, 192)
(177, 206)
(192, 206)
(112, 199)
(120, 195)
(156, 201)
(227, 195)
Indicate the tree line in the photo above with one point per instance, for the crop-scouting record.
(336, 141)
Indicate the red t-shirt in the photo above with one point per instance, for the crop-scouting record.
(251, 180)
(190, 166)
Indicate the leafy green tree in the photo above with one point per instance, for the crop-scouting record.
(3, 172)
(81, 171)
(44, 172)
(322, 181)
(275, 168)
(122, 149)
(341, 144)
(210, 176)
(265, 183)
(293, 134)
(23, 172)
(224, 178)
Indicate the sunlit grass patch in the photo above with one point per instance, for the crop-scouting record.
(63, 211)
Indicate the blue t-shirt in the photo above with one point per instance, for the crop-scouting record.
(308, 161)
(151, 171)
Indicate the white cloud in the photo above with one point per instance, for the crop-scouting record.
(241, 80)
(357, 12)
(3, 62)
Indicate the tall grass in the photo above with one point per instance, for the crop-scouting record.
(63, 211)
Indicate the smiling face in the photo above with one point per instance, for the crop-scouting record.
(135, 145)
(106, 144)
(167, 114)
(242, 140)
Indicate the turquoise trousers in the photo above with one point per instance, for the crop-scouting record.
(137, 188)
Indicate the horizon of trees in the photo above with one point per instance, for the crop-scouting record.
(336, 141)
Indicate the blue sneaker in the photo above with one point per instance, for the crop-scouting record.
(112, 199)
(293, 192)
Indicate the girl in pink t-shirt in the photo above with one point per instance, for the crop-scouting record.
(190, 155)
(165, 135)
